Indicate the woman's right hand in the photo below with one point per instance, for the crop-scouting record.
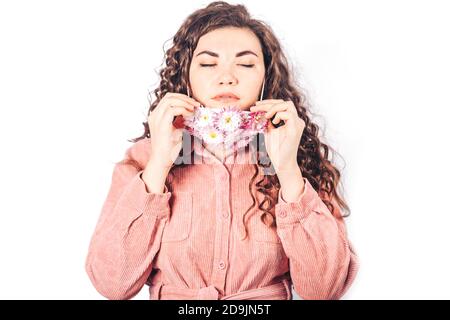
(166, 140)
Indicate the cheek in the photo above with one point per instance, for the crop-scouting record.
(251, 89)
(198, 82)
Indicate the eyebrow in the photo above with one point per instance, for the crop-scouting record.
(214, 54)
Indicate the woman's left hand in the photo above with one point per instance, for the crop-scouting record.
(282, 142)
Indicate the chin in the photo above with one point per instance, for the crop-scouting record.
(218, 104)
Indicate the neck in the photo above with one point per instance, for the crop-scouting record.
(219, 151)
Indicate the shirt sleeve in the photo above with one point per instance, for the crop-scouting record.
(127, 235)
(322, 261)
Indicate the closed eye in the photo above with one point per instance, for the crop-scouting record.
(211, 65)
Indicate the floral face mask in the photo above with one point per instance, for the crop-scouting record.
(230, 126)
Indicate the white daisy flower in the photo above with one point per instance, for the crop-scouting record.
(229, 121)
(212, 136)
(205, 117)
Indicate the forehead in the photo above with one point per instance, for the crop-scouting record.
(228, 41)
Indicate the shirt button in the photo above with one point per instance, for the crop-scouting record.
(283, 214)
(221, 265)
(225, 215)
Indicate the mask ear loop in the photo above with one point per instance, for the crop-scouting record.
(262, 90)
(188, 92)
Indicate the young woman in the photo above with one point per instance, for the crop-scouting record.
(221, 228)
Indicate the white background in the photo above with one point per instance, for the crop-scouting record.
(74, 84)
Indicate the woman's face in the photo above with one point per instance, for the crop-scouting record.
(236, 65)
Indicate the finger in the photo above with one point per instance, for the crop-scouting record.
(264, 107)
(271, 101)
(176, 102)
(276, 108)
(292, 107)
(178, 135)
(283, 115)
(171, 95)
(268, 101)
(180, 110)
(174, 111)
(167, 105)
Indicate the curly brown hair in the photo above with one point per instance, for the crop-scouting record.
(312, 156)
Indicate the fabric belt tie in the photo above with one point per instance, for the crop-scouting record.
(277, 291)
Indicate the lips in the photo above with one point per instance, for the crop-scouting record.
(226, 99)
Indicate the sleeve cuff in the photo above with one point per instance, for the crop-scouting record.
(136, 195)
(291, 212)
(280, 195)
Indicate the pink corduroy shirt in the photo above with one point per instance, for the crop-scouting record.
(192, 243)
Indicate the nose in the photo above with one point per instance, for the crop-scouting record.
(227, 78)
(229, 81)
